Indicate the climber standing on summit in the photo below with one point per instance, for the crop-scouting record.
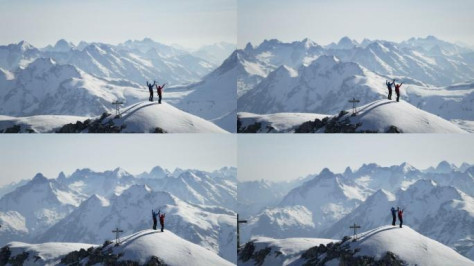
(389, 87)
(400, 216)
(394, 216)
(397, 90)
(155, 220)
(162, 221)
(159, 91)
(150, 89)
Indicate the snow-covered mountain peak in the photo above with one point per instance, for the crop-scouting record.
(308, 43)
(136, 190)
(158, 172)
(381, 195)
(348, 171)
(120, 172)
(39, 178)
(325, 61)
(248, 47)
(326, 173)
(24, 46)
(269, 44)
(63, 46)
(406, 167)
(346, 43)
(283, 72)
(445, 167)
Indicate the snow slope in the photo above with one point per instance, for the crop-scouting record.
(380, 115)
(212, 227)
(41, 203)
(47, 87)
(214, 98)
(135, 61)
(443, 213)
(409, 245)
(288, 249)
(45, 253)
(275, 123)
(145, 117)
(167, 246)
(38, 123)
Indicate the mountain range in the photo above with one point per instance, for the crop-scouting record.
(304, 77)
(438, 202)
(86, 205)
(85, 80)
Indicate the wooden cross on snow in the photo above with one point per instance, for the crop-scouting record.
(238, 230)
(117, 107)
(355, 227)
(354, 102)
(117, 232)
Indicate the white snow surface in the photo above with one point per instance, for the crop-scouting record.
(290, 248)
(39, 123)
(277, 123)
(48, 253)
(144, 117)
(381, 114)
(409, 245)
(167, 246)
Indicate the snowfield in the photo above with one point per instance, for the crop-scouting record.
(46, 253)
(439, 203)
(167, 246)
(276, 123)
(38, 123)
(289, 249)
(378, 116)
(145, 117)
(138, 247)
(405, 243)
(84, 80)
(409, 245)
(382, 114)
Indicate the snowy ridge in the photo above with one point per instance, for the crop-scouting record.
(145, 117)
(177, 251)
(86, 205)
(380, 116)
(437, 76)
(407, 246)
(439, 203)
(273, 123)
(139, 247)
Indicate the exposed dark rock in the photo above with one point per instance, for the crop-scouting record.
(5, 254)
(13, 129)
(92, 126)
(253, 128)
(393, 129)
(155, 261)
(246, 253)
(159, 130)
(19, 259)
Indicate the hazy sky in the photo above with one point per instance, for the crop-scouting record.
(190, 23)
(326, 21)
(24, 156)
(285, 157)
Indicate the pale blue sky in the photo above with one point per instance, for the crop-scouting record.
(24, 156)
(285, 157)
(326, 21)
(190, 23)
